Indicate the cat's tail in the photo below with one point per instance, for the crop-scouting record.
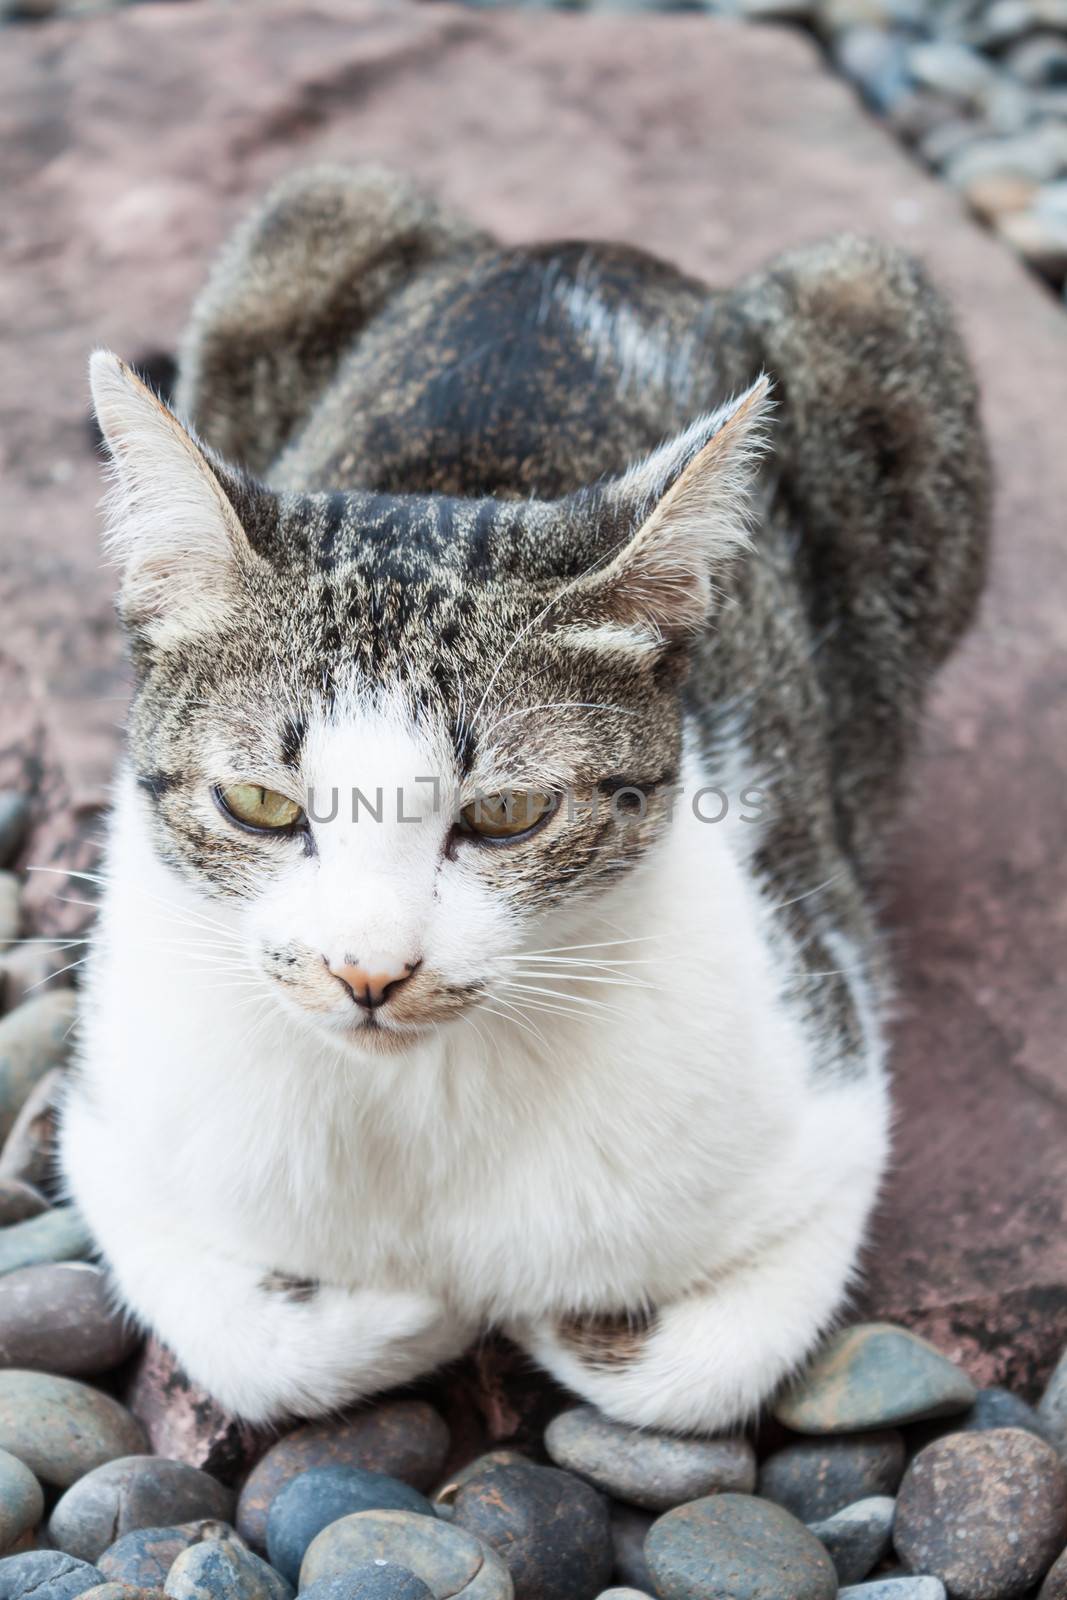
(289, 294)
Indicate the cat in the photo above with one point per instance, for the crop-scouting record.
(528, 644)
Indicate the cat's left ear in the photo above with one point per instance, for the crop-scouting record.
(171, 525)
(688, 503)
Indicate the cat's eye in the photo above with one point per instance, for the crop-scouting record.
(264, 810)
(509, 815)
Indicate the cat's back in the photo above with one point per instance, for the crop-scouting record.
(511, 373)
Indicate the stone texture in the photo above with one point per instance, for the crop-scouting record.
(184, 1423)
(144, 1557)
(1055, 1584)
(984, 1512)
(19, 1201)
(133, 1492)
(1052, 1407)
(924, 1588)
(857, 1537)
(382, 1581)
(58, 1234)
(404, 1439)
(735, 1547)
(998, 1408)
(816, 1477)
(63, 1429)
(629, 1530)
(14, 821)
(647, 1469)
(45, 1575)
(60, 1317)
(136, 139)
(451, 1562)
(222, 1570)
(21, 1501)
(34, 1038)
(122, 1591)
(313, 1499)
(29, 1153)
(869, 1376)
(551, 1529)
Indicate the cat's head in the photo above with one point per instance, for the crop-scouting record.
(396, 735)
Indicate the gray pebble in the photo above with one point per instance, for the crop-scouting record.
(873, 1376)
(897, 1589)
(144, 1557)
(122, 1591)
(62, 1429)
(224, 1570)
(29, 1152)
(816, 1477)
(654, 1470)
(952, 69)
(21, 1501)
(735, 1547)
(14, 823)
(34, 1038)
(876, 62)
(858, 1537)
(58, 1234)
(133, 1492)
(313, 1499)
(19, 1202)
(629, 1530)
(1038, 155)
(451, 1562)
(444, 1497)
(45, 1575)
(551, 1528)
(381, 1580)
(61, 1317)
(999, 1408)
(624, 1594)
(1039, 62)
(1052, 1407)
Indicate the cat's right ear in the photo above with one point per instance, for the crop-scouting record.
(170, 526)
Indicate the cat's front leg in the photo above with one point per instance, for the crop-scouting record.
(707, 1361)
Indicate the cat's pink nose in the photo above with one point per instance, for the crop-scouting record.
(371, 986)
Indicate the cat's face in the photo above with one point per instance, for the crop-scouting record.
(399, 739)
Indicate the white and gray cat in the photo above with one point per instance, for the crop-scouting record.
(517, 1036)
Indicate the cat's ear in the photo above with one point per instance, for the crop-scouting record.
(170, 525)
(688, 506)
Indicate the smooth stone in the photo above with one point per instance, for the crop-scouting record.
(10, 912)
(381, 1580)
(29, 1151)
(444, 1496)
(1052, 1407)
(134, 1492)
(14, 823)
(996, 197)
(145, 1556)
(653, 1470)
(1041, 241)
(403, 1439)
(623, 1594)
(450, 1561)
(45, 1575)
(876, 62)
(629, 1530)
(1038, 154)
(21, 1501)
(897, 1589)
(58, 1234)
(313, 1499)
(999, 1408)
(122, 1591)
(62, 1429)
(1006, 20)
(60, 1317)
(870, 1376)
(984, 1512)
(552, 1529)
(1040, 62)
(26, 969)
(1055, 1584)
(952, 69)
(34, 1038)
(858, 1537)
(816, 1477)
(735, 1547)
(19, 1202)
(223, 1570)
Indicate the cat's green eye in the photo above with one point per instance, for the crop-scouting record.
(264, 810)
(507, 815)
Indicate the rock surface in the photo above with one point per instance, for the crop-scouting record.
(133, 1492)
(222, 1570)
(924, 1588)
(21, 1501)
(382, 1581)
(735, 1547)
(450, 1561)
(816, 1477)
(61, 1318)
(34, 1038)
(1052, 1408)
(552, 1530)
(403, 1439)
(313, 1499)
(647, 1469)
(858, 1537)
(62, 1429)
(1055, 1584)
(872, 1375)
(984, 1512)
(135, 140)
(629, 1530)
(45, 1575)
(144, 1557)
(184, 1423)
